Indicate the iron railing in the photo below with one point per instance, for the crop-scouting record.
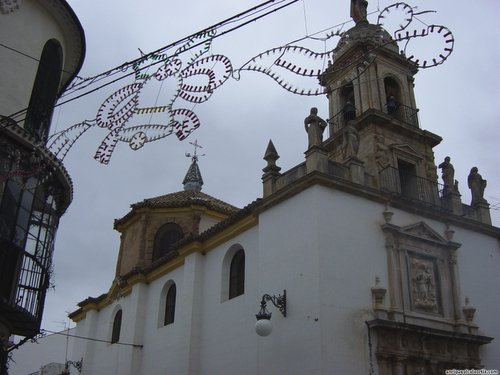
(403, 113)
(411, 187)
(400, 112)
(340, 120)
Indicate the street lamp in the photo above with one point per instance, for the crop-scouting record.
(263, 327)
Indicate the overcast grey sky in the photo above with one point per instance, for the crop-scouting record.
(458, 100)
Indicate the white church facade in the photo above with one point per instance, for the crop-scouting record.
(376, 268)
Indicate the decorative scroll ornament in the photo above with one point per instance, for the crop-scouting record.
(127, 114)
(292, 61)
(193, 81)
(404, 16)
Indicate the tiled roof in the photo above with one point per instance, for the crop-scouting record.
(180, 199)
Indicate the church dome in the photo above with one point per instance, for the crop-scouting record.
(364, 33)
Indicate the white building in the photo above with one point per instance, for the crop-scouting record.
(42, 50)
(385, 270)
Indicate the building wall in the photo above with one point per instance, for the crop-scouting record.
(43, 26)
(324, 247)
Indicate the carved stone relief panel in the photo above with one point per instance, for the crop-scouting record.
(424, 284)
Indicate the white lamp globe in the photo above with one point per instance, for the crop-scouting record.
(263, 327)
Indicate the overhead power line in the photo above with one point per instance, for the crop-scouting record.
(65, 333)
(86, 82)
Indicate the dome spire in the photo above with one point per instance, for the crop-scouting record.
(193, 180)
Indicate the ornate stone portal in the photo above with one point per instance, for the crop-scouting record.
(424, 329)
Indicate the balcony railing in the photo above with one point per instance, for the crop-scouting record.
(399, 111)
(340, 120)
(403, 113)
(411, 187)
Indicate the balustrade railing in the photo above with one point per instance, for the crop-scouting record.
(411, 187)
(401, 112)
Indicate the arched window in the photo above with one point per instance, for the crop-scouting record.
(347, 102)
(392, 94)
(45, 90)
(166, 236)
(170, 305)
(117, 326)
(237, 274)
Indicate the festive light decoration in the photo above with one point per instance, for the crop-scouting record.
(406, 16)
(193, 79)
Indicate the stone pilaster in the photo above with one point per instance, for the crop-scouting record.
(483, 212)
(316, 159)
(356, 170)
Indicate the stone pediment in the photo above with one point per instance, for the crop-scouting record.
(423, 231)
(406, 149)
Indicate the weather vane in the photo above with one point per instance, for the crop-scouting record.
(194, 156)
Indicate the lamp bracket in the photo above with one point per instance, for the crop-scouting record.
(279, 301)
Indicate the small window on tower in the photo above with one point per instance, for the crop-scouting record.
(348, 103)
(166, 236)
(393, 95)
(408, 179)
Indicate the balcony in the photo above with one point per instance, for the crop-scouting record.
(410, 187)
(402, 112)
(396, 110)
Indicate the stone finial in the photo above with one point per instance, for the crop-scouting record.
(271, 155)
(387, 214)
(469, 311)
(271, 170)
(378, 295)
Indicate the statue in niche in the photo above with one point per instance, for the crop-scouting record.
(381, 152)
(423, 285)
(314, 126)
(351, 141)
(476, 186)
(359, 10)
(448, 175)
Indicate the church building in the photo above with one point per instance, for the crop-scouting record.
(355, 261)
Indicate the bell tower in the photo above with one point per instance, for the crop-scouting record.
(373, 113)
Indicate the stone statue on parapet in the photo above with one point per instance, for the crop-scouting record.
(477, 185)
(351, 141)
(448, 175)
(314, 126)
(359, 10)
